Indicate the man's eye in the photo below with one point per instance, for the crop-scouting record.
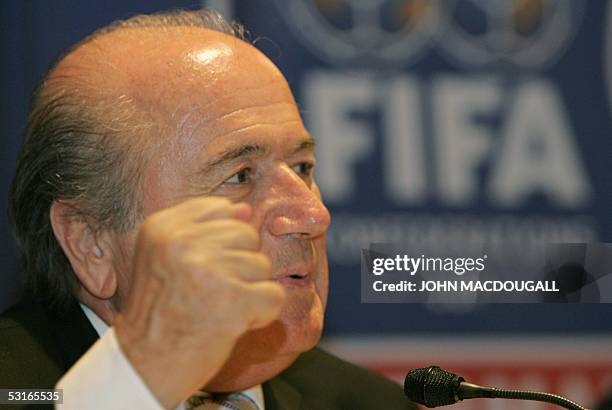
(241, 177)
(304, 169)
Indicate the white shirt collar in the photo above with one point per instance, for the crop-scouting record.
(95, 320)
(255, 393)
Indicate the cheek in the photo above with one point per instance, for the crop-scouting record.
(322, 282)
(261, 202)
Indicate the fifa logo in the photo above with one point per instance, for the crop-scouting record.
(468, 33)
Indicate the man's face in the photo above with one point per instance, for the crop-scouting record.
(233, 130)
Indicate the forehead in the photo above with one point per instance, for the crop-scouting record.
(182, 79)
(163, 70)
(221, 92)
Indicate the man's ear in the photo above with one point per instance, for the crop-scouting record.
(87, 249)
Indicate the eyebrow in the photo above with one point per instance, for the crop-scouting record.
(307, 144)
(242, 151)
(251, 150)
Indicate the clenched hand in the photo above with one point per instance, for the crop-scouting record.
(199, 283)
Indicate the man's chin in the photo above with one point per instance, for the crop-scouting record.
(292, 334)
(261, 354)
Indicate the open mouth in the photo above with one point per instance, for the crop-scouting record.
(294, 277)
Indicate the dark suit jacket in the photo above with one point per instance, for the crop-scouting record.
(37, 347)
(606, 404)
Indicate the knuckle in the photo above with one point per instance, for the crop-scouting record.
(277, 297)
(249, 234)
(214, 202)
(272, 299)
(205, 265)
(264, 263)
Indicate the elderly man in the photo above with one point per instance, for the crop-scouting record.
(164, 200)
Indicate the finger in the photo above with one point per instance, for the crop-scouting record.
(220, 208)
(243, 211)
(244, 265)
(265, 302)
(205, 208)
(221, 234)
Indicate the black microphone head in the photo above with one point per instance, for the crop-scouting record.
(432, 386)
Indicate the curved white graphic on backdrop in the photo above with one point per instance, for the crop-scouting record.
(528, 33)
(364, 31)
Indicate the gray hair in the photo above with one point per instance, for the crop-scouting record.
(69, 155)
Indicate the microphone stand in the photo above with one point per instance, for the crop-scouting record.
(469, 391)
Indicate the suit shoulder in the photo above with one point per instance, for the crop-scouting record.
(26, 358)
(321, 360)
(349, 385)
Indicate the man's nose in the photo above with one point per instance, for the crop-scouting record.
(296, 207)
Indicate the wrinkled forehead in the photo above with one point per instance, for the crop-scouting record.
(168, 71)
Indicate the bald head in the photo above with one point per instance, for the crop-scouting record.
(148, 64)
(101, 111)
(162, 79)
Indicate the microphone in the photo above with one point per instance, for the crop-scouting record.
(432, 387)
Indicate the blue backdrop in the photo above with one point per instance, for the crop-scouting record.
(436, 121)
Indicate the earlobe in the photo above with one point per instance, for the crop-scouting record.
(87, 250)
